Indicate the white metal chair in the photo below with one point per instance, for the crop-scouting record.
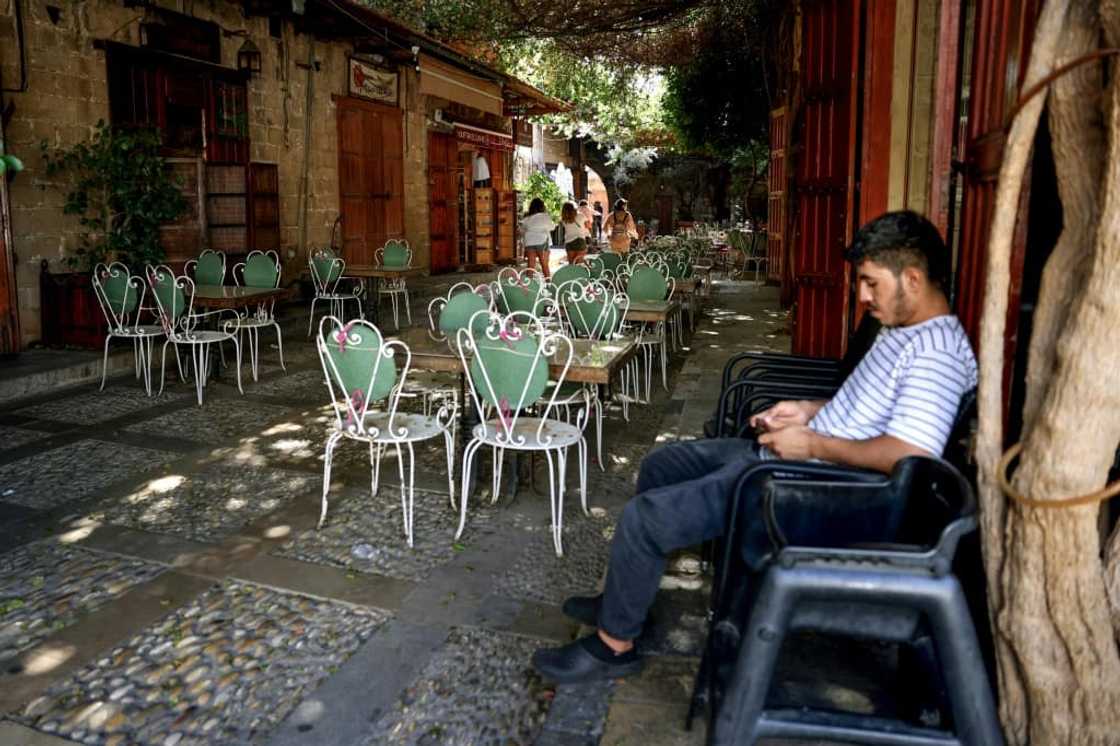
(648, 283)
(327, 275)
(395, 254)
(261, 269)
(365, 384)
(596, 311)
(507, 363)
(121, 297)
(175, 301)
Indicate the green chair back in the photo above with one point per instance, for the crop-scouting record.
(570, 272)
(118, 290)
(680, 268)
(210, 269)
(328, 268)
(260, 271)
(169, 294)
(459, 310)
(396, 254)
(521, 294)
(647, 283)
(594, 313)
(610, 260)
(509, 373)
(356, 363)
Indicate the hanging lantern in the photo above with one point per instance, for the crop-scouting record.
(249, 58)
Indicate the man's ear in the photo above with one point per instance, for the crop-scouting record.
(913, 279)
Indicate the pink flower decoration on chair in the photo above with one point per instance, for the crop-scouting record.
(505, 413)
(341, 336)
(509, 336)
(357, 401)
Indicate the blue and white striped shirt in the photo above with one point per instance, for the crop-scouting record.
(908, 385)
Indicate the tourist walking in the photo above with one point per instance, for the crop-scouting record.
(575, 233)
(620, 228)
(536, 228)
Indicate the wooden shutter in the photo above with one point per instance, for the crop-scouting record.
(264, 207)
(183, 238)
(227, 219)
(507, 222)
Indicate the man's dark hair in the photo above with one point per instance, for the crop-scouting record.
(902, 239)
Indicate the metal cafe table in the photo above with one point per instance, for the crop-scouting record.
(376, 273)
(235, 296)
(593, 362)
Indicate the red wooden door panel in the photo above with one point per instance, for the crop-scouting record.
(442, 200)
(778, 182)
(823, 195)
(371, 177)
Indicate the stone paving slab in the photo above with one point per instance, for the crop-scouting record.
(302, 384)
(74, 472)
(225, 418)
(14, 437)
(539, 575)
(479, 689)
(206, 506)
(92, 407)
(377, 521)
(225, 668)
(47, 586)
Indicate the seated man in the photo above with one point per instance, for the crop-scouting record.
(900, 401)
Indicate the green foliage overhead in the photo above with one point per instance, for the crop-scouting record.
(717, 102)
(539, 185)
(120, 188)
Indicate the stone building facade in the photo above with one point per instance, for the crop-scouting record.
(65, 45)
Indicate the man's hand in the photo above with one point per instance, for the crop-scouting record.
(791, 442)
(785, 414)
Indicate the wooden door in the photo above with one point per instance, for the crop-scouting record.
(822, 223)
(507, 226)
(371, 177)
(9, 307)
(443, 198)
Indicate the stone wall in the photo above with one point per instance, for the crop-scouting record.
(67, 94)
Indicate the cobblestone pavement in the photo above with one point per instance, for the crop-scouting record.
(162, 579)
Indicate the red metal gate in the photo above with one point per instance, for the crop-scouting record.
(824, 173)
(1003, 30)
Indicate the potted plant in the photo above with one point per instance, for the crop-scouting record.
(120, 189)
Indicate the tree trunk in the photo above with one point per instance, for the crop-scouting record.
(1059, 666)
(989, 442)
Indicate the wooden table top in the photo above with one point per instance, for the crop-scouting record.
(651, 310)
(687, 286)
(592, 362)
(235, 296)
(376, 270)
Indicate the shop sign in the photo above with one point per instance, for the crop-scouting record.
(523, 132)
(483, 138)
(371, 83)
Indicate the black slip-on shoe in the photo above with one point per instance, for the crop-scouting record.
(586, 659)
(584, 609)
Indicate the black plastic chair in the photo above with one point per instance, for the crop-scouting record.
(903, 591)
(751, 372)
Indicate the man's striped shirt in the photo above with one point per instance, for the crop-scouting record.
(908, 385)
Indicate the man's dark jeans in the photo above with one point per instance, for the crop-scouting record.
(684, 490)
(683, 493)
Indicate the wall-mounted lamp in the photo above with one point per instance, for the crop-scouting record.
(249, 58)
